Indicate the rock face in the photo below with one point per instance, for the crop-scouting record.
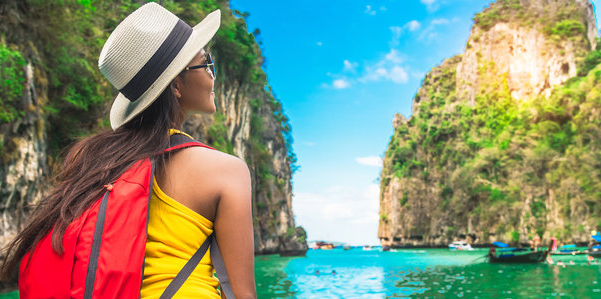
(532, 61)
(24, 170)
(410, 205)
(250, 123)
(479, 159)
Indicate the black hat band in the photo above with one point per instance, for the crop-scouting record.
(159, 61)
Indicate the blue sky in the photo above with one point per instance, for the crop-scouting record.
(342, 69)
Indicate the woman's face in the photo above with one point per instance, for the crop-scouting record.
(194, 89)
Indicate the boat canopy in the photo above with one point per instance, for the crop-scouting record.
(569, 246)
(597, 237)
(501, 244)
(511, 249)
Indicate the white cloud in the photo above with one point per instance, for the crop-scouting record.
(373, 74)
(344, 213)
(372, 191)
(350, 66)
(383, 8)
(330, 207)
(430, 32)
(432, 35)
(439, 21)
(374, 161)
(413, 25)
(393, 56)
(431, 5)
(369, 10)
(341, 83)
(386, 69)
(398, 75)
(337, 210)
(397, 31)
(396, 35)
(381, 72)
(319, 43)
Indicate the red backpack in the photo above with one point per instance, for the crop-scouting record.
(103, 255)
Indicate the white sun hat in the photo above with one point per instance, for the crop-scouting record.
(146, 51)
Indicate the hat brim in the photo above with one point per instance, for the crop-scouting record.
(124, 110)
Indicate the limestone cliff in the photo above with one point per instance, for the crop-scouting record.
(498, 146)
(521, 48)
(24, 168)
(64, 96)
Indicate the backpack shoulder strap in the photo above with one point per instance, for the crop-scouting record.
(224, 279)
(188, 268)
(177, 141)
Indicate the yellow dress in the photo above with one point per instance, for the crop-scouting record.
(175, 232)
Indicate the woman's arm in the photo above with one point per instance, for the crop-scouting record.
(234, 227)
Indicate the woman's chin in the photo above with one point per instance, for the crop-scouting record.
(203, 110)
(208, 110)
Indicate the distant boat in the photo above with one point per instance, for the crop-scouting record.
(594, 249)
(460, 245)
(322, 245)
(515, 255)
(569, 249)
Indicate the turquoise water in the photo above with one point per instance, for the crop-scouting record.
(429, 273)
(11, 295)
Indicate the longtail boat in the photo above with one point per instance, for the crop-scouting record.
(528, 257)
(515, 255)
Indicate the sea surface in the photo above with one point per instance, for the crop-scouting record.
(425, 273)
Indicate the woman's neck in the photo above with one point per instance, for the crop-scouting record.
(179, 122)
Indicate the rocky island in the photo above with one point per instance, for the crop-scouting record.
(503, 141)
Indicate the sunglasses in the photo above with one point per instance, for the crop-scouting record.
(209, 65)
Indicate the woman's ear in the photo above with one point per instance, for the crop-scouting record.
(175, 86)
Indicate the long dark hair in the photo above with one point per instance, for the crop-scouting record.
(89, 165)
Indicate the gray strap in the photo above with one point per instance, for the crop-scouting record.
(93, 263)
(188, 268)
(224, 279)
(178, 139)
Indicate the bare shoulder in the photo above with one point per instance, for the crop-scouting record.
(203, 161)
(202, 178)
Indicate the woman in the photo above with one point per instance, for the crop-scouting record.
(158, 64)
